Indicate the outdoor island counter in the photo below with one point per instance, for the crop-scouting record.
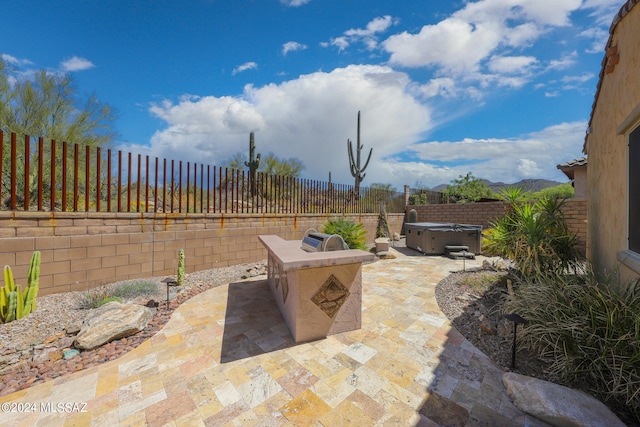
(318, 293)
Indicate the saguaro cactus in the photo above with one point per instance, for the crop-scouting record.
(354, 164)
(252, 164)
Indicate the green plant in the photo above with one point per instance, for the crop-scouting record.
(354, 163)
(180, 267)
(109, 299)
(93, 299)
(354, 234)
(535, 235)
(136, 288)
(14, 303)
(418, 199)
(467, 188)
(253, 163)
(588, 328)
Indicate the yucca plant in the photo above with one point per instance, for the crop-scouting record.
(587, 329)
(353, 234)
(534, 235)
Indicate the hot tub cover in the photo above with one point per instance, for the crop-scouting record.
(443, 226)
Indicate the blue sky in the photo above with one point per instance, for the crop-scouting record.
(499, 88)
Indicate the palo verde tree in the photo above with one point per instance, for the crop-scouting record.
(467, 188)
(49, 106)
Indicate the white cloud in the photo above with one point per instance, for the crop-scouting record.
(292, 47)
(76, 63)
(459, 43)
(367, 35)
(565, 62)
(244, 67)
(603, 11)
(453, 44)
(340, 42)
(509, 160)
(377, 25)
(511, 64)
(309, 118)
(294, 3)
(9, 59)
(598, 37)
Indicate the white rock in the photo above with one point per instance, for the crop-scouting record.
(556, 404)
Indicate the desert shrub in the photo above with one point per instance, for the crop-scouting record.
(354, 234)
(109, 299)
(93, 299)
(136, 288)
(588, 329)
(534, 235)
(122, 291)
(418, 199)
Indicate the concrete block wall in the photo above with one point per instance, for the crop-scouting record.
(87, 249)
(575, 214)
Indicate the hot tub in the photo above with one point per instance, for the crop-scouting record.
(431, 238)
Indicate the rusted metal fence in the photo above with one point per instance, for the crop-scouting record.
(39, 175)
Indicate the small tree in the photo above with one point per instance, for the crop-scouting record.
(467, 188)
(534, 235)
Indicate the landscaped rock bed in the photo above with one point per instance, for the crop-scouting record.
(471, 301)
(33, 348)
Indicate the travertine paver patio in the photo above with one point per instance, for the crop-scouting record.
(226, 358)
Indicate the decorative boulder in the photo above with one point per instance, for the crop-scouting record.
(111, 322)
(556, 404)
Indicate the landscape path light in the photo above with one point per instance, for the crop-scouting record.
(169, 281)
(517, 320)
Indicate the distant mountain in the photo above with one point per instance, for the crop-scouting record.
(531, 185)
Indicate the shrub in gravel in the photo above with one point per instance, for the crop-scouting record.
(135, 289)
(588, 328)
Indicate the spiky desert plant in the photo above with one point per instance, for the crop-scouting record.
(14, 303)
(252, 164)
(180, 267)
(354, 163)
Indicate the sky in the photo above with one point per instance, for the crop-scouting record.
(499, 88)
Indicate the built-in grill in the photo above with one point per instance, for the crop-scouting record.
(314, 241)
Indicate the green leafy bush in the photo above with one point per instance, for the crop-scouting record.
(354, 234)
(588, 329)
(534, 235)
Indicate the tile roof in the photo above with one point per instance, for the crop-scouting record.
(626, 8)
(568, 167)
(582, 161)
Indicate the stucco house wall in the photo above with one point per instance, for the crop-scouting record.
(580, 184)
(615, 113)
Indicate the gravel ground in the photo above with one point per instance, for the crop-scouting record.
(471, 302)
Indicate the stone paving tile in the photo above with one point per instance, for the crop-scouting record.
(226, 358)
